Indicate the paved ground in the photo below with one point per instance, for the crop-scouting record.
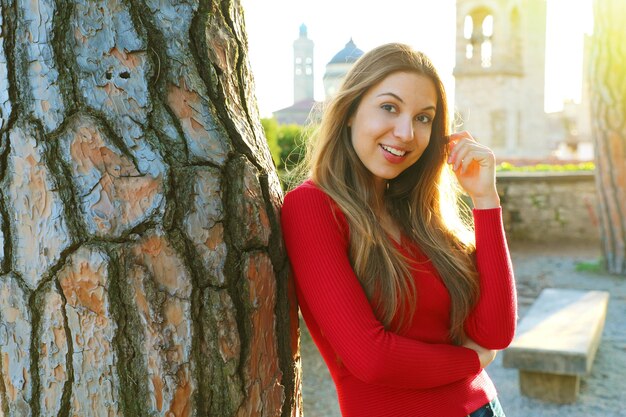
(603, 393)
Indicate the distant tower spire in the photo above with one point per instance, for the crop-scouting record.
(302, 67)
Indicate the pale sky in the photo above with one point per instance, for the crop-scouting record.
(427, 25)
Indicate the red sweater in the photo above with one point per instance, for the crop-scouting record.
(417, 372)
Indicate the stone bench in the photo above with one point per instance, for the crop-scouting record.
(556, 343)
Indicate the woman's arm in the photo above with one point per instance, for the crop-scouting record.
(492, 322)
(318, 252)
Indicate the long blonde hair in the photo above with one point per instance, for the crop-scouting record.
(423, 199)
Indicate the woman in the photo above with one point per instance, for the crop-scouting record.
(405, 304)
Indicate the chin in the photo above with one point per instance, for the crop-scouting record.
(390, 177)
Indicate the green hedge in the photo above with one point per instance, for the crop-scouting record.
(583, 166)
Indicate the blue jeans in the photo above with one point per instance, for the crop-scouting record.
(491, 409)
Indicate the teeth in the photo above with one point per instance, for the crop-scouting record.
(394, 151)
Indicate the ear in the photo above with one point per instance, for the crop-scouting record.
(350, 121)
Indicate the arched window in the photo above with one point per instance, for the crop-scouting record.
(488, 26)
(468, 28)
(485, 47)
(478, 28)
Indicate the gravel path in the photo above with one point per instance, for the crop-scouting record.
(602, 393)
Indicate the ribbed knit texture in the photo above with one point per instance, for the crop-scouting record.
(378, 373)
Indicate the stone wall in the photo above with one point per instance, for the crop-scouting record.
(549, 207)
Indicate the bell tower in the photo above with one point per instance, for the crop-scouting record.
(500, 74)
(302, 67)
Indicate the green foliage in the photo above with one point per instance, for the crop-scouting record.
(596, 267)
(291, 141)
(583, 166)
(287, 144)
(270, 126)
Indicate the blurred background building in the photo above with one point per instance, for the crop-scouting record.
(304, 106)
(499, 83)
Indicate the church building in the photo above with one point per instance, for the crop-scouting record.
(339, 66)
(304, 105)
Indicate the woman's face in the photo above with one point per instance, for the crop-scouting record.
(392, 124)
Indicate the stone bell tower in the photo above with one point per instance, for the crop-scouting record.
(302, 67)
(500, 74)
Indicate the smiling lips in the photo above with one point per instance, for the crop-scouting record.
(393, 155)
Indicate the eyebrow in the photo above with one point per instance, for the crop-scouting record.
(402, 101)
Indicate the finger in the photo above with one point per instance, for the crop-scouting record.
(472, 147)
(456, 137)
(479, 156)
(467, 162)
(461, 155)
(453, 141)
(457, 148)
(460, 141)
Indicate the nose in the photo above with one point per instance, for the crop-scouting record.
(403, 129)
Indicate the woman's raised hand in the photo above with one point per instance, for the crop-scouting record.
(475, 168)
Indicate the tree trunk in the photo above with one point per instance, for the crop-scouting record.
(142, 270)
(608, 107)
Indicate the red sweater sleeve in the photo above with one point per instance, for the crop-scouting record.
(318, 252)
(492, 322)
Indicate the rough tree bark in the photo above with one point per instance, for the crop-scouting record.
(141, 271)
(607, 81)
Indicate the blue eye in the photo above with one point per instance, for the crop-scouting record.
(388, 107)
